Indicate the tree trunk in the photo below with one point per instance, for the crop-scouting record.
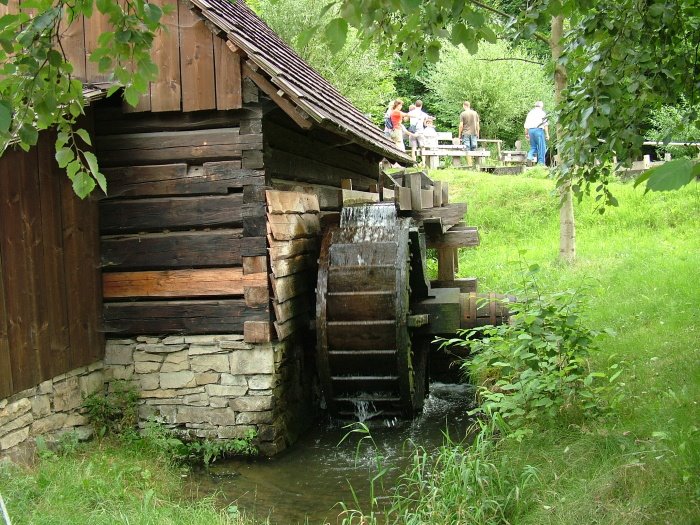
(567, 225)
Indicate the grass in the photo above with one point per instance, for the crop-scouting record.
(641, 465)
(104, 484)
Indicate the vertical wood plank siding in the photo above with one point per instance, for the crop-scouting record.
(197, 71)
(50, 287)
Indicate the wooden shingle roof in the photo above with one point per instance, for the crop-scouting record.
(313, 95)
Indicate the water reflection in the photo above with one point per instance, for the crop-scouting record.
(303, 484)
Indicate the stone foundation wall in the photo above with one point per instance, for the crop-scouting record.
(215, 387)
(49, 409)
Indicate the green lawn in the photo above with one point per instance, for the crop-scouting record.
(642, 464)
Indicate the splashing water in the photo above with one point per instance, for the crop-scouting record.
(364, 410)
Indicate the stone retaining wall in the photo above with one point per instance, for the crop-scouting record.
(216, 387)
(51, 408)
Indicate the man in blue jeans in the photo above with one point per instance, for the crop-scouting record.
(469, 127)
(537, 132)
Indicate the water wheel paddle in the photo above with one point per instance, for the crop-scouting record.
(362, 304)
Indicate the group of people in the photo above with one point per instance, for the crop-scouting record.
(421, 131)
(536, 130)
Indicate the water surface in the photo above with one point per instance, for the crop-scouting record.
(305, 483)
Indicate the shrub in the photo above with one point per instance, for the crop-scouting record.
(676, 124)
(501, 91)
(536, 367)
(115, 412)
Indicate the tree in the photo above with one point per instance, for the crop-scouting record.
(627, 57)
(357, 71)
(38, 90)
(500, 82)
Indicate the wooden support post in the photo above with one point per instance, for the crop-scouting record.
(437, 194)
(446, 264)
(346, 184)
(413, 181)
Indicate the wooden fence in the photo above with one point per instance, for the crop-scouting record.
(50, 291)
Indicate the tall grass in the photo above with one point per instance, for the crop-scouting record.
(640, 464)
(106, 484)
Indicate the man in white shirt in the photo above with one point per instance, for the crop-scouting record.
(416, 125)
(537, 132)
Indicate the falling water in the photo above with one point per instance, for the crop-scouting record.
(364, 410)
(372, 215)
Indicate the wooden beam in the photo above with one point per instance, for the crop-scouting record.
(191, 317)
(291, 202)
(271, 91)
(293, 226)
(257, 331)
(454, 239)
(179, 283)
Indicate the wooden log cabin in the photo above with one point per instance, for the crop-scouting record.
(194, 276)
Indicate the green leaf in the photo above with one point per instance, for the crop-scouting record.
(64, 156)
(28, 134)
(83, 184)
(92, 162)
(132, 95)
(5, 116)
(460, 34)
(84, 135)
(668, 176)
(336, 33)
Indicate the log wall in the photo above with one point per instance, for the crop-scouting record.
(183, 234)
(293, 237)
(50, 294)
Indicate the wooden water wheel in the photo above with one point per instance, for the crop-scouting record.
(365, 352)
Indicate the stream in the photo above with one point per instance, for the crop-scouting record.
(304, 484)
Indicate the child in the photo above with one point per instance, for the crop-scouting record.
(429, 134)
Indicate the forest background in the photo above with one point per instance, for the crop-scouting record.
(501, 80)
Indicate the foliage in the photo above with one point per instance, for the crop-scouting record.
(535, 368)
(114, 412)
(38, 88)
(357, 71)
(502, 85)
(174, 446)
(671, 123)
(623, 59)
(457, 483)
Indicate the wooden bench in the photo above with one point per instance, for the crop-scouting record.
(448, 146)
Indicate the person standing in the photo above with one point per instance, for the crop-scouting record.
(537, 132)
(416, 125)
(469, 127)
(396, 117)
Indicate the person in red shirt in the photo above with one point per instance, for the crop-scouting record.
(397, 132)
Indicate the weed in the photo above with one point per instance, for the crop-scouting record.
(169, 444)
(114, 412)
(536, 367)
